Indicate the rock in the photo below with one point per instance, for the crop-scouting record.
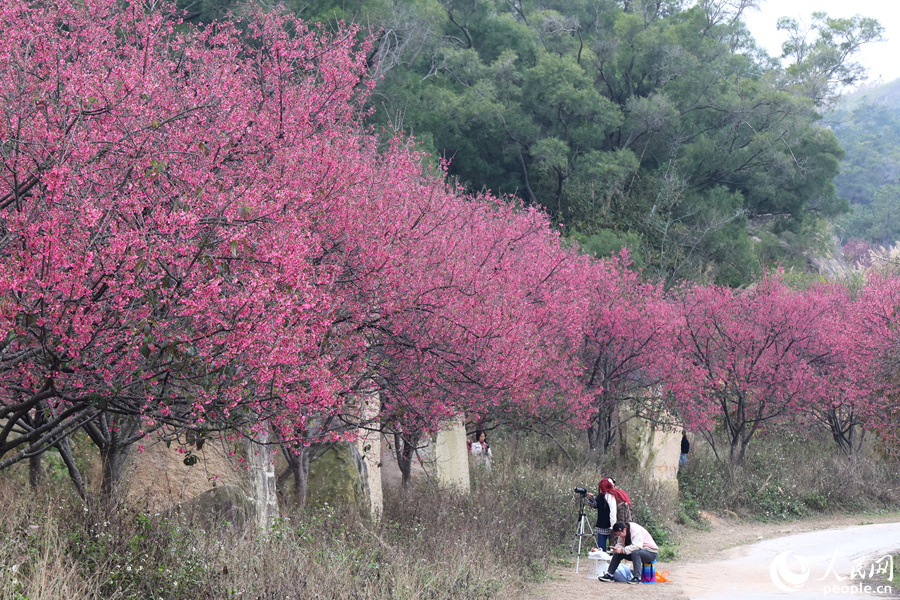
(339, 477)
(158, 477)
(451, 456)
(223, 504)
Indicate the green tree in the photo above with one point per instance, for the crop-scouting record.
(877, 221)
(867, 124)
(819, 56)
(653, 124)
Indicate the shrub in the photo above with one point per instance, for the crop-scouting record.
(787, 474)
(431, 543)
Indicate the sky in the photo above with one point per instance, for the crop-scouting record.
(882, 58)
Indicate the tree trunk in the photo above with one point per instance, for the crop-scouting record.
(34, 461)
(737, 454)
(113, 435)
(404, 450)
(601, 438)
(608, 428)
(736, 426)
(847, 432)
(34, 471)
(112, 459)
(739, 445)
(65, 451)
(298, 466)
(262, 473)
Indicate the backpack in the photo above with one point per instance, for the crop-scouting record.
(624, 512)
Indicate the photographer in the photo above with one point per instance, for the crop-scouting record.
(481, 450)
(608, 502)
(634, 543)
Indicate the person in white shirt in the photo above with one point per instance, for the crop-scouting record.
(481, 450)
(634, 543)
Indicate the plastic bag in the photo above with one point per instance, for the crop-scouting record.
(623, 573)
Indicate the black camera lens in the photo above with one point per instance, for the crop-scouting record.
(580, 491)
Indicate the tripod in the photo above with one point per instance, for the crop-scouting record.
(582, 530)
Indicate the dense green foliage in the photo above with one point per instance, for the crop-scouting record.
(867, 125)
(656, 125)
(647, 124)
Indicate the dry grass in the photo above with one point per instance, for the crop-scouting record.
(790, 474)
(431, 543)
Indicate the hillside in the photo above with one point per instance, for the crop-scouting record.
(867, 125)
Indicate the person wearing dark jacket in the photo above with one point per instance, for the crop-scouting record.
(606, 502)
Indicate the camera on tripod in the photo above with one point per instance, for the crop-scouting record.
(584, 529)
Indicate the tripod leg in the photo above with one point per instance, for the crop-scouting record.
(579, 533)
(578, 556)
(583, 528)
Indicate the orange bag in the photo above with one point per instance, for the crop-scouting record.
(662, 577)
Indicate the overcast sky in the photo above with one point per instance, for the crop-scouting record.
(882, 59)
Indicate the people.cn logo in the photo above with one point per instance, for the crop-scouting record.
(786, 578)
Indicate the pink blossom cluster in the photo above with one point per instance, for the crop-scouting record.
(196, 231)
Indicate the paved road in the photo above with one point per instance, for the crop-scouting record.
(833, 563)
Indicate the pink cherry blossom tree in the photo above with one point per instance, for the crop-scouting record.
(198, 237)
(748, 358)
(472, 316)
(628, 327)
(866, 342)
(156, 266)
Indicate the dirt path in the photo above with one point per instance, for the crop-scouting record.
(732, 560)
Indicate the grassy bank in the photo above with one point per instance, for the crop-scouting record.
(431, 544)
(788, 474)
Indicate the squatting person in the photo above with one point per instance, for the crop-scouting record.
(634, 543)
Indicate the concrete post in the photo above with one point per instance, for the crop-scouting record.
(368, 443)
(451, 457)
(262, 478)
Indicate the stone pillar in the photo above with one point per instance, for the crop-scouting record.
(451, 458)
(653, 450)
(368, 443)
(262, 477)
